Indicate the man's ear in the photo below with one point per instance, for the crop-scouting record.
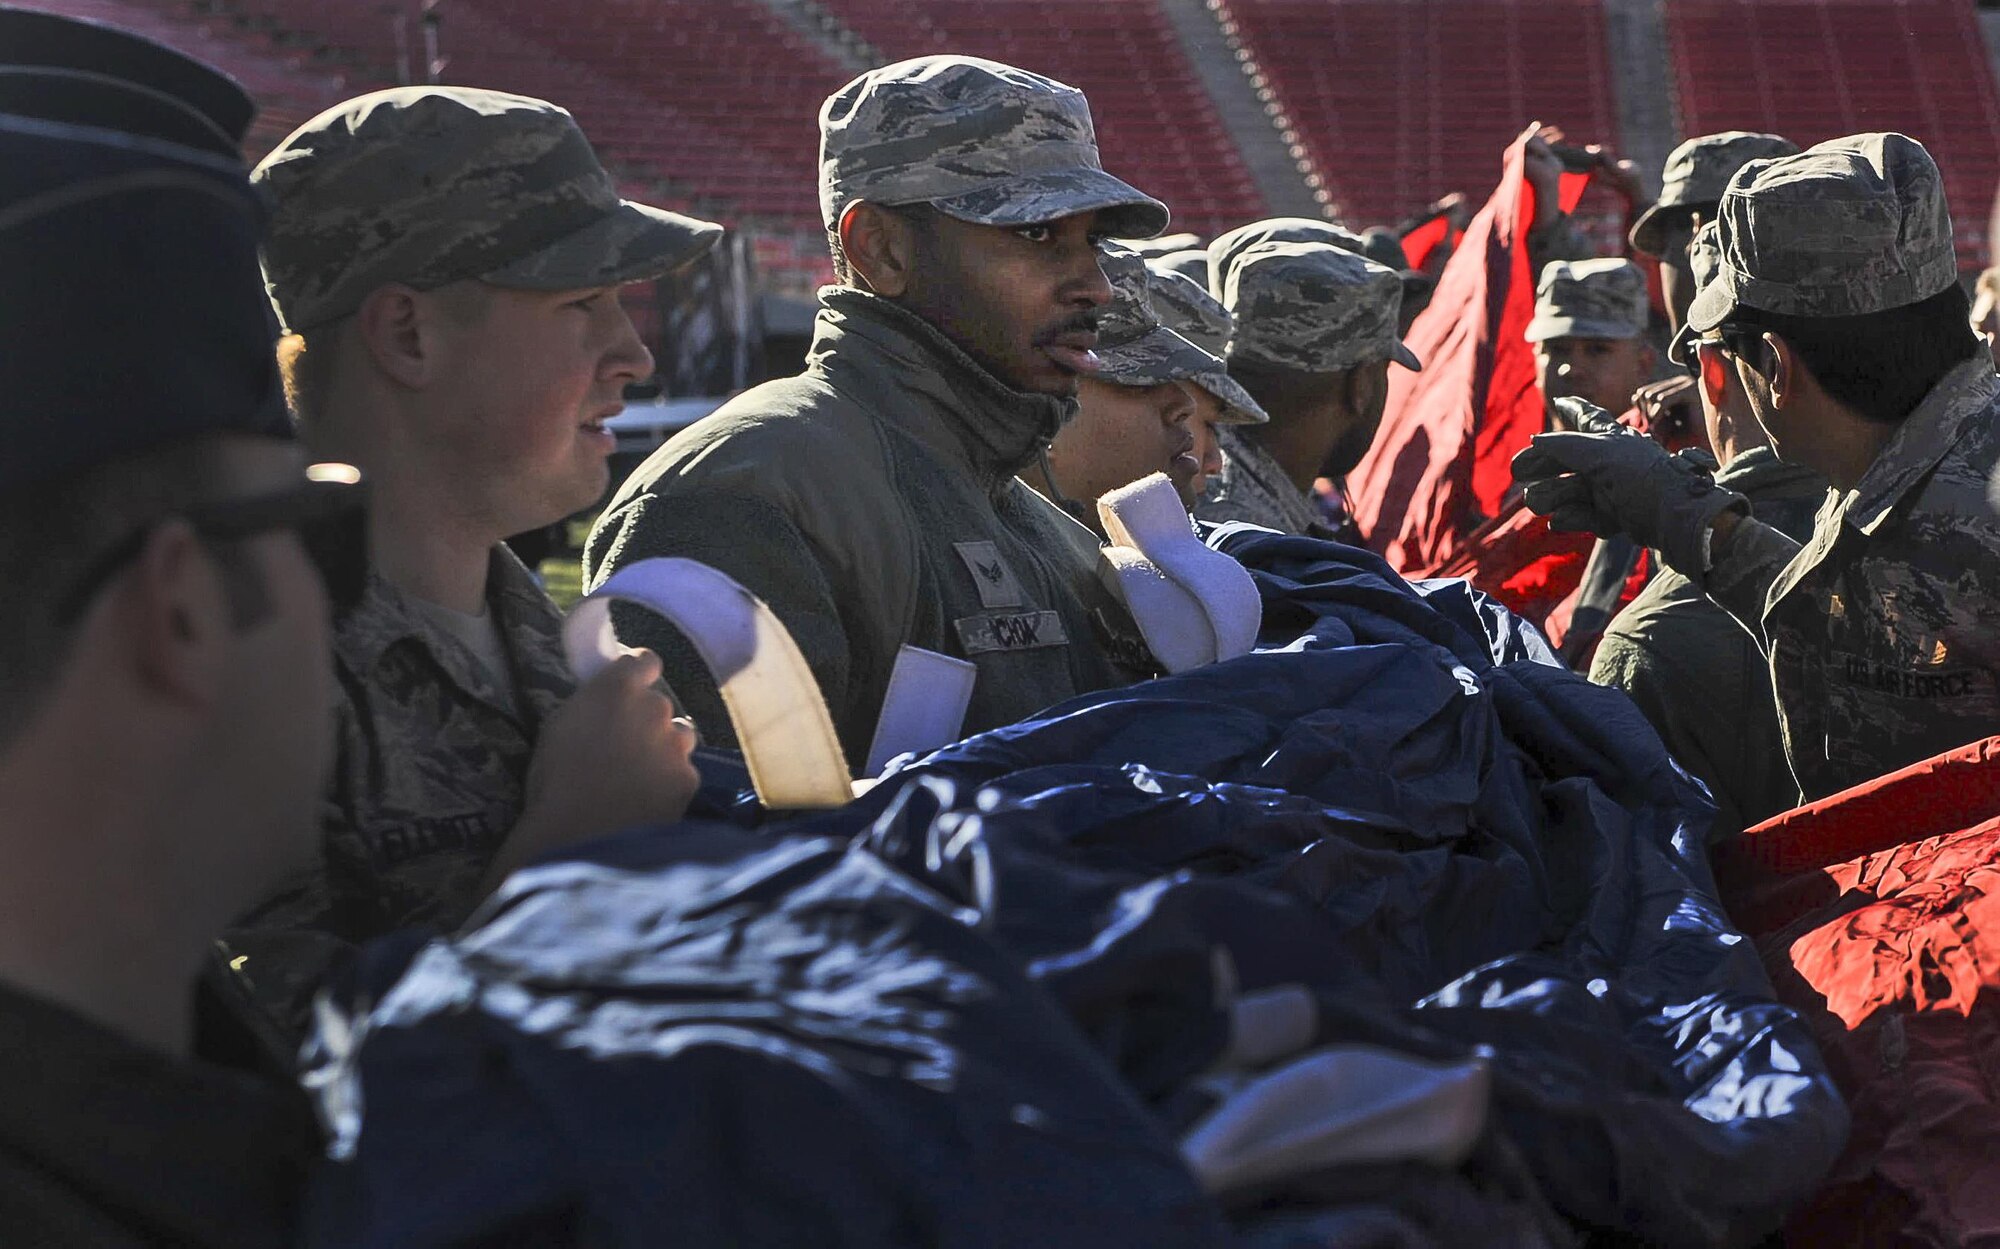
(175, 609)
(1367, 388)
(880, 247)
(1787, 371)
(395, 325)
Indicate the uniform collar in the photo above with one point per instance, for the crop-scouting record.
(940, 395)
(1759, 470)
(529, 623)
(1922, 440)
(1249, 470)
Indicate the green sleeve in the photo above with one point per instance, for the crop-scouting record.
(778, 564)
(1742, 581)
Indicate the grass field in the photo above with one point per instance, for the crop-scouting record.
(562, 574)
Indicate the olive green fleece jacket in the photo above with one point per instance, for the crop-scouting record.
(872, 502)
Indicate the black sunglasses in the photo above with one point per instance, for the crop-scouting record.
(328, 510)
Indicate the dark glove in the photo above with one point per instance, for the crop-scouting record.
(1607, 480)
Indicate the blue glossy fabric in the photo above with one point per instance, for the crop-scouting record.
(1400, 802)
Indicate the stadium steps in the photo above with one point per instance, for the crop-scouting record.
(1279, 170)
(811, 22)
(1401, 102)
(1642, 80)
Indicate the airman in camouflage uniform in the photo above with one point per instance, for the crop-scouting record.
(873, 501)
(1315, 328)
(1180, 295)
(1691, 186)
(396, 202)
(1880, 630)
(1589, 333)
(1694, 672)
(1151, 406)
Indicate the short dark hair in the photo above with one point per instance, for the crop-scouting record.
(920, 215)
(1880, 364)
(51, 534)
(1278, 388)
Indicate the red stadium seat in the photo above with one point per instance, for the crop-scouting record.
(1815, 69)
(1400, 102)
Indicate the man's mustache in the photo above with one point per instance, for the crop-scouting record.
(1077, 323)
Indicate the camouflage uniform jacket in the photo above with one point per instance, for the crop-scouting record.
(1252, 487)
(1699, 678)
(428, 779)
(1883, 632)
(872, 502)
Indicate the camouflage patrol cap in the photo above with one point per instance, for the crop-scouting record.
(975, 139)
(1185, 307)
(1603, 298)
(1227, 248)
(1704, 259)
(1852, 226)
(430, 185)
(1697, 173)
(1313, 307)
(1137, 350)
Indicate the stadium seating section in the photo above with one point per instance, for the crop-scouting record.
(1400, 103)
(1815, 69)
(708, 104)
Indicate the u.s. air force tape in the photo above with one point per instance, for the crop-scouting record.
(781, 721)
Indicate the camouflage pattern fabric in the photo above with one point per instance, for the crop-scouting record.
(977, 140)
(1313, 307)
(1185, 307)
(1699, 678)
(1696, 174)
(1852, 226)
(1137, 350)
(428, 780)
(431, 185)
(1883, 632)
(1704, 261)
(1191, 264)
(1252, 487)
(1228, 248)
(1590, 299)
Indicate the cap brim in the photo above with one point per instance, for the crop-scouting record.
(1542, 329)
(1164, 355)
(1031, 199)
(1680, 350)
(1648, 232)
(635, 243)
(1712, 305)
(1160, 355)
(1238, 408)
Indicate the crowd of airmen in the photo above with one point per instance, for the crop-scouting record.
(445, 264)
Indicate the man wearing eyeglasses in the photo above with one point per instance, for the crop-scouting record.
(1836, 305)
(163, 650)
(446, 262)
(1691, 186)
(1694, 672)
